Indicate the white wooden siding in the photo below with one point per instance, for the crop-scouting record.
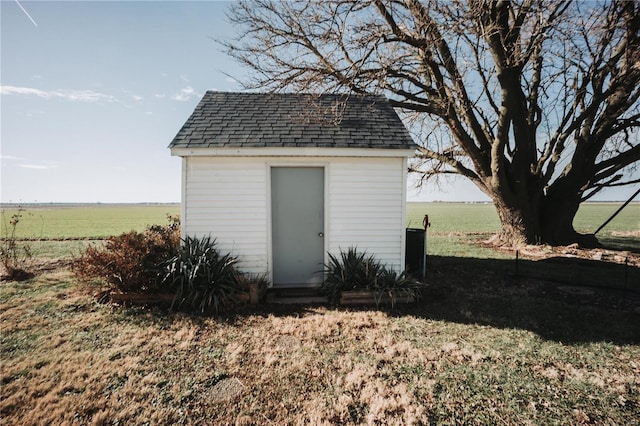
(366, 207)
(228, 198)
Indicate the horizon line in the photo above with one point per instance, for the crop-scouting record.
(21, 203)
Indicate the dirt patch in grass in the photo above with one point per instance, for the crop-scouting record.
(227, 388)
(477, 349)
(634, 234)
(538, 252)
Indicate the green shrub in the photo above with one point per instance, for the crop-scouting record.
(131, 262)
(351, 271)
(395, 286)
(354, 270)
(201, 277)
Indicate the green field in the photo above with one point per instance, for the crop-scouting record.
(89, 221)
(99, 221)
(482, 218)
(455, 227)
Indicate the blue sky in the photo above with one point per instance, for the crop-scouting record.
(93, 92)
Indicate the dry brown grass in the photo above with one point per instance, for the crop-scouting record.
(69, 360)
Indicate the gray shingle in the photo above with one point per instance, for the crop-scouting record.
(293, 120)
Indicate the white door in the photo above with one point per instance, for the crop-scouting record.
(297, 226)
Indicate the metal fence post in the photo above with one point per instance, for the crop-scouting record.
(426, 224)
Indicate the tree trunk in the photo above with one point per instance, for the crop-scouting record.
(549, 222)
(519, 225)
(557, 217)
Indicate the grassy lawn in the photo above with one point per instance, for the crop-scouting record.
(455, 225)
(476, 350)
(484, 346)
(457, 230)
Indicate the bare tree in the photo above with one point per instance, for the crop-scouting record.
(534, 101)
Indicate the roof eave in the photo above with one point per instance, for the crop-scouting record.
(291, 152)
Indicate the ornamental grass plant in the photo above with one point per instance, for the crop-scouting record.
(201, 277)
(353, 270)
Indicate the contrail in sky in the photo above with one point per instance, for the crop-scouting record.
(27, 13)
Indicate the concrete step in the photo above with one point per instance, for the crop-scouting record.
(295, 296)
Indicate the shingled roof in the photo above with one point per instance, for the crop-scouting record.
(254, 120)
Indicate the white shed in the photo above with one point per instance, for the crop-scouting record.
(280, 180)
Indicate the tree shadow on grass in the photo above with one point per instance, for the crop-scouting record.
(571, 301)
(622, 243)
(567, 300)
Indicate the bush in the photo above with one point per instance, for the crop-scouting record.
(201, 277)
(352, 271)
(357, 271)
(15, 257)
(131, 262)
(395, 286)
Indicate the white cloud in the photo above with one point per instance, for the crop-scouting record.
(160, 95)
(184, 78)
(70, 95)
(33, 113)
(37, 166)
(11, 90)
(137, 98)
(230, 80)
(32, 164)
(185, 94)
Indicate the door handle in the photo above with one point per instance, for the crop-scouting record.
(321, 234)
